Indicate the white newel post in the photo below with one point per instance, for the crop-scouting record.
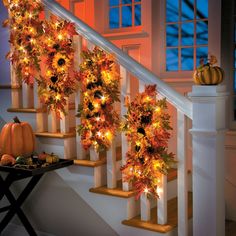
(208, 135)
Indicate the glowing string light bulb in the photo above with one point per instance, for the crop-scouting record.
(60, 36)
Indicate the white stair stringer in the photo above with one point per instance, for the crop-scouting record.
(112, 209)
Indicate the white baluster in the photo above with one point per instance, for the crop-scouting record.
(16, 92)
(111, 166)
(77, 44)
(145, 207)
(28, 95)
(125, 91)
(162, 201)
(41, 115)
(182, 174)
(94, 155)
(89, 45)
(52, 122)
(64, 121)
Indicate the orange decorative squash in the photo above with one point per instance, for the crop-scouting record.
(17, 139)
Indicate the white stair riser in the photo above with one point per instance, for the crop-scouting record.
(64, 148)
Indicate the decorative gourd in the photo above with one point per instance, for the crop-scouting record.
(7, 160)
(42, 156)
(207, 74)
(17, 139)
(52, 158)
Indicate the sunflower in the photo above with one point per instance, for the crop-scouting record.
(61, 62)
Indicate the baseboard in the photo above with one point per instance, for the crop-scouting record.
(19, 230)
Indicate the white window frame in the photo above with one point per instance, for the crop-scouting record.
(129, 29)
(214, 41)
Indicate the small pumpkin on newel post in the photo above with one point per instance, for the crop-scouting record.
(208, 74)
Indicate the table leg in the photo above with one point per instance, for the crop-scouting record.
(16, 204)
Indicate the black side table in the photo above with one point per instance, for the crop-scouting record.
(15, 174)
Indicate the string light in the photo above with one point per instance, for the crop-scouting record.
(60, 36)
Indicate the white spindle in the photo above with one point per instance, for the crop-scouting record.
(89, 45)
(182, 174)
(162, 201)
(77, 44)
(52, 122)
(41, 115)
(37, 103)
(64, 121)
(94, 155)
(125, 91)
(111, 166)
(145, 205)
(16, 92)
(28, 95)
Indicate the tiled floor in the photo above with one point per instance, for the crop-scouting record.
(230, 228)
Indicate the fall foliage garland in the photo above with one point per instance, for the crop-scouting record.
(59, 80)
(147, 127)
(99, 85)
(25, 31)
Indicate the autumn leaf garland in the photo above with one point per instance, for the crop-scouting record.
(59, 80)
(25, 31)
(99, 85)
(147, 127)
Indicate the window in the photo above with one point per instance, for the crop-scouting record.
(186, 34)
(124, 13)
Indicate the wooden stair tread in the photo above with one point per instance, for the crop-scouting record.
(89, 163)
(172, 220)
(34, 110)
(71, 133)
(22, 110)
(101, 161)
(118, 191)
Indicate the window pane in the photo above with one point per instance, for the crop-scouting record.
(202, 32)
(172, 35)
(187, 9)
(187, 34)
(126, 1)
(187, 59)
(172, 59)
(137, 14)
(202, 9)
(126, 16)
(202, 53)
(172, 10)
(114, 18)
(113, 2)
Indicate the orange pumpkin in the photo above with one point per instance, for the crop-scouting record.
(17, 139)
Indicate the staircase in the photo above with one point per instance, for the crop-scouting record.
(95, 185)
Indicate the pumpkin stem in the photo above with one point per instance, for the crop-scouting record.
(16, 120)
